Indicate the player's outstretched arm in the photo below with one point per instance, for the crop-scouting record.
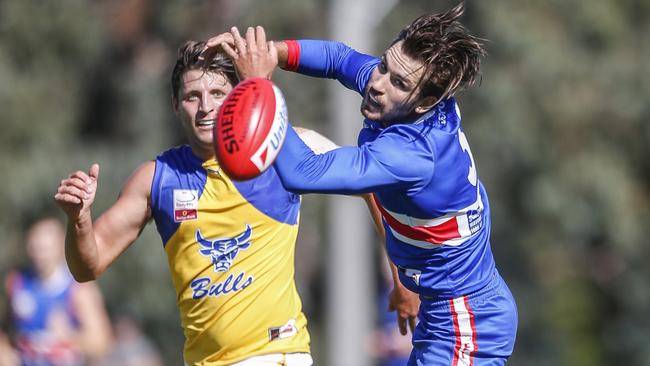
(401, 300)
(92, 246)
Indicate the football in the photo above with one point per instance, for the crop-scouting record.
(250, 129)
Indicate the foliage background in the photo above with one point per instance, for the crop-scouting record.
(559, 129)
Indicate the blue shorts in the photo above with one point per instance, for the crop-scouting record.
(478, 329)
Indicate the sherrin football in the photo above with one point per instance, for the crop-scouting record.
(250, 129)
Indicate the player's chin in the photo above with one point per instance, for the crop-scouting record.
(370, 113)
(205, 139)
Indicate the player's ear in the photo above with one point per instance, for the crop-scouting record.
(426, 104)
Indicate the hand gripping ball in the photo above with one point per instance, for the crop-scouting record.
(250, 130)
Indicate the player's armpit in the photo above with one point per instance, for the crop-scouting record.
(318, 143)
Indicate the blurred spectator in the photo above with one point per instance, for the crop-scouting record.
(131, 347)
(53, 320)
(8, 356)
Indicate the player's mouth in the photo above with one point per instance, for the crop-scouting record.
(371, 104)
(205, 124)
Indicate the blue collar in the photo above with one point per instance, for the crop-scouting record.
(444, 112)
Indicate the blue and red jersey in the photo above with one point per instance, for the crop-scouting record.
(40, 309)
(435, 209)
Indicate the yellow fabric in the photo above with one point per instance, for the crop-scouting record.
(255, 294)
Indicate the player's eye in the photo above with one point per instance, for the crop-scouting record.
(398, 83)
(218, 94)
(192, 98)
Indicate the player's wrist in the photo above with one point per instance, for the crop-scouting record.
(288, 54)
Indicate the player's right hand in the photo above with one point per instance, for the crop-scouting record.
(76, 193)
(214, 45)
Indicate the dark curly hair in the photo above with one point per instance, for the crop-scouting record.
(188, 59)
(451, 56)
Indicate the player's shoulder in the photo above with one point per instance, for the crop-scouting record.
(406, 135)
(179, 158)
(139, 183)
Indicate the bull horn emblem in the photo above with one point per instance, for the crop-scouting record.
(223, 251)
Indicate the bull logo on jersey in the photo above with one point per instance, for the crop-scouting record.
(223, 251)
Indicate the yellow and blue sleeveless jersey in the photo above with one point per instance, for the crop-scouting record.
(230, 248)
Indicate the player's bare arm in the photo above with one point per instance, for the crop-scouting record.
(92, 246)
(94, 332)
(404, 302)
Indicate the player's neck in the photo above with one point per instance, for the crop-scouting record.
(203, 154)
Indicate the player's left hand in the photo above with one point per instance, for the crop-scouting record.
(253, 56)
(406, 304)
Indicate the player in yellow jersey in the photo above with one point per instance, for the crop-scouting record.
(230, 245)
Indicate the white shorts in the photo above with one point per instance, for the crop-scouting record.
(278, 359)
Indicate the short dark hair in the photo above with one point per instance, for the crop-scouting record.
(188, 59)
(451, 56)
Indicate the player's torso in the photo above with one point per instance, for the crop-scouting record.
(230, 248)
(439, 234)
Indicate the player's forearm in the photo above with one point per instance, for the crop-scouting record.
(81, 251)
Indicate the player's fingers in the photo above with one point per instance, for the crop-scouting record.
(240, 44)
(412, 324)
(251, 44)
(74, 192)
(391, 306)
(80, 184)
(80, 175)
(218, 40)
(93, 172)
(260, 37)
(402, 325)
(230, 51)
(66, 198)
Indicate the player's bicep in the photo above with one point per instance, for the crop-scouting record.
(122, 223)
(338, 61)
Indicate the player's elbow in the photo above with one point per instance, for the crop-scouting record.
(83, 277)
(81, 274)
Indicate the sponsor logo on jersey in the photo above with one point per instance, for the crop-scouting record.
(284, 331)
(186, 204)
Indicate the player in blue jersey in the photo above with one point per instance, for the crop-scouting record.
(54, 320)
(414, 156)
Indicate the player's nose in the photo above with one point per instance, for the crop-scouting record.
(382, 82)
(207, 104)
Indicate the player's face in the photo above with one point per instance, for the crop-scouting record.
(44, 246)
(391, 96)
(197, 104)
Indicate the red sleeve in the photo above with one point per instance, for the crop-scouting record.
(293, 55)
